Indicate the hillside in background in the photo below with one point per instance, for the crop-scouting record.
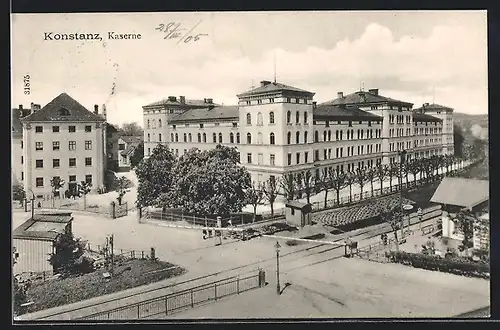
(472, 125)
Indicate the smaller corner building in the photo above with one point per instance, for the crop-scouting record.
(280, 129)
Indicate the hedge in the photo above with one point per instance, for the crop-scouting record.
(454, 265)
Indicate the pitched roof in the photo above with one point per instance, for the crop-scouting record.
(228, 112)
(422, 117)
(132, 138)
(187, 103)
(434, 106)
(45, 226)
(336, 112)
(129, 150)
(110, 128)
(462, 192)
(55, 111)
(270, 87)
(361, 97)
(17, 127)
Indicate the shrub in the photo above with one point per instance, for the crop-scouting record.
(451, 264)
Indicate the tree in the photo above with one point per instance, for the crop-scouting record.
(325, 182)
(132, 128)
(350, 179)
(435, 162)
(287, 183)
(254, 196)
(18, 193)
(137, 156)
(208, 183)
(371, 175)
(392, 171)
(270, 189)
(361, 178)
(299, 185)
(338, 181)
(393, 215)
(19, 296)
(465, 221)
(458, 140)
(308, 184)
(414, 168)
(428, 168)
(56, 183)
(67, 255)
(154, 175)
(382, 172)
(123, 185)
(84, 188)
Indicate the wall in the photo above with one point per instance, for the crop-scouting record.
(17, 159)
(449, 231)
(33, 255)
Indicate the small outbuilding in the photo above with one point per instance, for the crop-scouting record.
(34, 241)
(298, 213)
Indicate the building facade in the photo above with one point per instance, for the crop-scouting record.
(446, 132)
(63, 139)
(127, 144)
(279, 129)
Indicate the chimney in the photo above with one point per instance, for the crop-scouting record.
(340, 95)
(373, 91)
(37, 106)
(426, 104)
(104, 111)
(210, 107)
(20, 107)
(314, 104)
(96, 109)
(183, 99)
(172, 98)
(32, 106)
(210, 101)
(264, 83)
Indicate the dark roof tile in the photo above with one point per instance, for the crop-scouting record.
(422, 117)
(363, 97)
(216, 113)
(270, 87)
(23, 232)
(335, 112)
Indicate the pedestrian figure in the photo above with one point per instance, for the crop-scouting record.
(39, 204)
(204, 234)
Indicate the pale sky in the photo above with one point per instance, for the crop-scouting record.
(413, 56)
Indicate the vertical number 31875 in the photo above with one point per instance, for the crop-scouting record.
(27, 85)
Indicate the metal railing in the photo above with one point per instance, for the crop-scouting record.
(178, 301)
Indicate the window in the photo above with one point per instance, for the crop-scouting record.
(39, 146)
(316, 136)
(159, 137)
(216, 124)
(305, 137)
(289, 138)
(88, 161)
(271, 138)
(72, 145)
(324, 135)
(174, 126)
(88, 178)
(249, 138)
(39, 182)
(297, 157)
(297, 100)
(22, 159)
(88, 145)
(305, 118)
(259, 119)
(297, 137)
(72, 129)
(259, 101)
(55, 129)
(190, 136)
(235, 125)
(271, 117)
(39, 163)
(297, 117)
(149, 137)
(199, 137)
(325, 153)
(204, 137)
(249, 119)
(289, 117)
(249, 158)
(159, 123)
(172, 137)
(271, 100)
(214, 137)
(341, 135)
(329, 135)
(306, 156)
(272, 159)
(88, 128)
(55, 145)
(22, 144)
(55, 163)
(149, 126)
(316, 155)
(154, 124)
(259, 159)
(238, 137)
(149, 151)
(350, 123)
(185, 137)
(72, 162)
(220, 137)
(289, 159)
(337, 135)
(38, 129)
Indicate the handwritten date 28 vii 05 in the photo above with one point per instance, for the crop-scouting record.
(26, 84)
(173, 30)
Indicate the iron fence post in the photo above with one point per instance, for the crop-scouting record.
(215, 289)
(138, 311)
(166, 305)
(238, 285)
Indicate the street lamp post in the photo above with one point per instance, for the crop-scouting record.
(278, 246)
(401, 155)
(419, 213)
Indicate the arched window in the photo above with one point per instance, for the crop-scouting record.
(289, 117)
(149, 126)
(348, 134)
(336, 135)
(305, 137)
(199, 137)
(214, 138)
(249, 119)
(185, 137)
(159, 137)
(231, 137)
(159, 123)
(305, 117)
(259, 138)
(289, 138)
(259, 119)
(329, 135)
(172, 137)
(237, 137)
(352, 134)
(324, 135)
(271, 117)
(297, 137)
(362, 133)
(297, 117)
(271, 138)
(176, 137)
(341, 134)
(358, 134)
(149, 137)
(220, 137)
(190, 138)
(249, 138)
(316, 136)
(205, 137)
(154, 124)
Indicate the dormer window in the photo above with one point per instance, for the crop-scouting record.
(63, 112)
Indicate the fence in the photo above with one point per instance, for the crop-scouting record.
(178, 301)
(67, 204)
